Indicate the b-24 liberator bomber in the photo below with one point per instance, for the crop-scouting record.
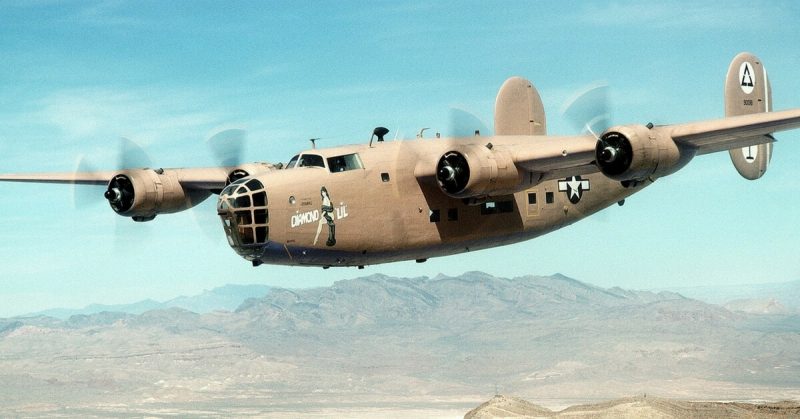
(385, 201)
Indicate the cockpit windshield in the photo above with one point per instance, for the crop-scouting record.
(306, 160)
(311, 160)
(335, 164)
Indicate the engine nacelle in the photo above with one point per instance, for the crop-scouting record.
(249, 169)
(473, 171)
(144, 193)
(636, 152)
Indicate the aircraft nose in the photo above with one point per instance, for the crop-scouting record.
(244, 212)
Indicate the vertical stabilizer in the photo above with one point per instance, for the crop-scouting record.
(747, 91)
(518, 109)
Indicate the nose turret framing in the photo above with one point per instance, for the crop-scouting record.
(243, 209)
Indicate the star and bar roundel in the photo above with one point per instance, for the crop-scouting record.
(574, 187)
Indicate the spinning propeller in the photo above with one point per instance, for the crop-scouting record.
(589, 111)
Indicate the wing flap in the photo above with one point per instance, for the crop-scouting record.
(556, 157)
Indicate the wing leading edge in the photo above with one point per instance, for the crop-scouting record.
(206, 178)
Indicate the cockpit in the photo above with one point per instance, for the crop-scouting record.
(306, 160)
(242, 207)
(334, 164)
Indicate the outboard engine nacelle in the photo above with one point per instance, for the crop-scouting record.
(144, 193)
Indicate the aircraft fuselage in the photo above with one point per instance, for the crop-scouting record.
(362, 205)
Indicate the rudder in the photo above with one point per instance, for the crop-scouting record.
(747, 91)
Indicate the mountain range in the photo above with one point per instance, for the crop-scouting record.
(778, 296)
(226, 297)
(763, 298)
(381, 342)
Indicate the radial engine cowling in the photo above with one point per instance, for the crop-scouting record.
(472, 171)
(144, 193)
(249, 169)
(636, 152)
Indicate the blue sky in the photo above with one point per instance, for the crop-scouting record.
(77, 76)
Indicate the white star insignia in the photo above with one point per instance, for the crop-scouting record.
(574, 186)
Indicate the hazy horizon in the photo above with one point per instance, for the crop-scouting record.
(717, 295)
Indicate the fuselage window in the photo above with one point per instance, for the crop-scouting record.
(498, 207)
(254, 185)
(505, 206)
(452, 214)
(344, 163)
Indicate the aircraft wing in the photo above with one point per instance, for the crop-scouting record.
(556, 157)
(208, 178)
(734, 132)
(78, 178)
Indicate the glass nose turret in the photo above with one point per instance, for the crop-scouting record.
(242, 207)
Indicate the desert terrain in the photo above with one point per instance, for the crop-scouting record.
(400, 347)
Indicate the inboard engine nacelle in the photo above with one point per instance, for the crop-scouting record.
(637, 152)
(471, 171)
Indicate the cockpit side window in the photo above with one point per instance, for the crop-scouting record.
(311, 160)
(293, 162)
(344, 163)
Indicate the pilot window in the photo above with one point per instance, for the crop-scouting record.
(344, 163)
(292, 162)
(310, 160)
